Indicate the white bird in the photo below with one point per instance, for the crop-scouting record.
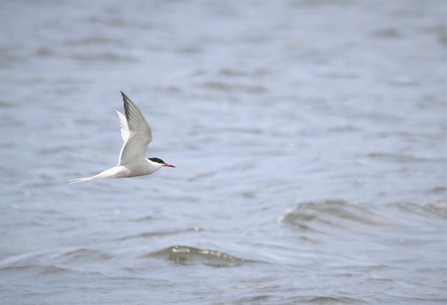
(137, 135)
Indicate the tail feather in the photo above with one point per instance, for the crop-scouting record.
(71, 181)
(114, 172)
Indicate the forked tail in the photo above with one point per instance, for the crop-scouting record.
(114, 172)
(71, 181)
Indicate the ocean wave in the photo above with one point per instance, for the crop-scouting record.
(185, 255)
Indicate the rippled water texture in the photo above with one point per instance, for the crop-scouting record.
(309, 139)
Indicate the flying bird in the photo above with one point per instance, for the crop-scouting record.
(137, 135)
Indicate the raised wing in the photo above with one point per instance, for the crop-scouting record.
(135, 132)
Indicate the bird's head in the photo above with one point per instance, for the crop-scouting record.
(160, 161)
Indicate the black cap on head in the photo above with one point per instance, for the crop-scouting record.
(158, 160)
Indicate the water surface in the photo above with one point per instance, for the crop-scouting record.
(309, 139)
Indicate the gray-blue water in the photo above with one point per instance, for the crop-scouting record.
(309, 139)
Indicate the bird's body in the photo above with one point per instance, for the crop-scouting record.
(137, 135)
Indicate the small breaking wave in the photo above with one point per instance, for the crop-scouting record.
(185, 255)
(313, 216)
(317, 221)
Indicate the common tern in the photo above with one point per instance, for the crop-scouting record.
(137, 135)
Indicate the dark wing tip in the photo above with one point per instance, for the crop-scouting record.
(126, 102)
(126, 106)
(124, 95)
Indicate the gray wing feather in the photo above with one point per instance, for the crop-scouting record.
(135, 132)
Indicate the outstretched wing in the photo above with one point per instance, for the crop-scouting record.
(135, 132)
